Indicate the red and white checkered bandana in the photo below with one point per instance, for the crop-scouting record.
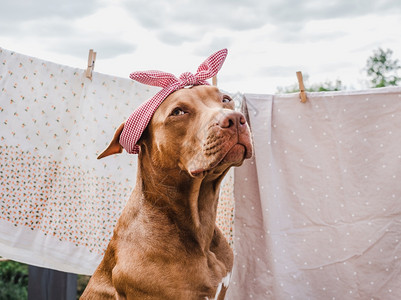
(140, 118)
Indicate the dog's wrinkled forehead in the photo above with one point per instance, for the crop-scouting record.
(189, 99)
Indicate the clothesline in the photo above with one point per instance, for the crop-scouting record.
(317, 210)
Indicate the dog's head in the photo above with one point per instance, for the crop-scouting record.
(196, 130)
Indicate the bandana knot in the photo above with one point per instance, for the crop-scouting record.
(140, 118)
(187, 79)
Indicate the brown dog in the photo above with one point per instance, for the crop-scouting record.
(166, 244)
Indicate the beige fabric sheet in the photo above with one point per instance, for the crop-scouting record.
(318, 209)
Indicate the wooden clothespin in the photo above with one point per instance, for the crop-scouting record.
(91, 63)
(214, 80)
(302, 93)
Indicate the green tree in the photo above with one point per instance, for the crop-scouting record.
(382, 69)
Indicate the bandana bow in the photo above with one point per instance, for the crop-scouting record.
(140, 118)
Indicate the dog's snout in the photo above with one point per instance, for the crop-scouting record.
(232, 119)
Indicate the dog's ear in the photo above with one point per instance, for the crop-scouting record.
(114, 146)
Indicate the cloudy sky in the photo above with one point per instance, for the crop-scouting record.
(268, 40)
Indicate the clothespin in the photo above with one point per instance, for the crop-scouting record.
(214, 80)
(91, 63)
(302, 93)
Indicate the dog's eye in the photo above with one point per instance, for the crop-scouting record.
(226, 99)
(178, 112)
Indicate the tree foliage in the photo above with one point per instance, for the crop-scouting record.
(13, 280)
(382, 69)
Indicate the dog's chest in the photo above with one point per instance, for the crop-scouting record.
(185, 281)
(223, 284)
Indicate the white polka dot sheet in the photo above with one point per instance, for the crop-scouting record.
(58, 203)
(318, 208)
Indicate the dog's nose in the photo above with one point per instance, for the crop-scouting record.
(232, 119)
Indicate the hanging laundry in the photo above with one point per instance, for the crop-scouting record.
(318, 209)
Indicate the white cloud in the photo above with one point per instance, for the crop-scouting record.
(24, 10)
(203, 15)
(268, 41)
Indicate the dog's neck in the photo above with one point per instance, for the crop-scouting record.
(190, 202)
